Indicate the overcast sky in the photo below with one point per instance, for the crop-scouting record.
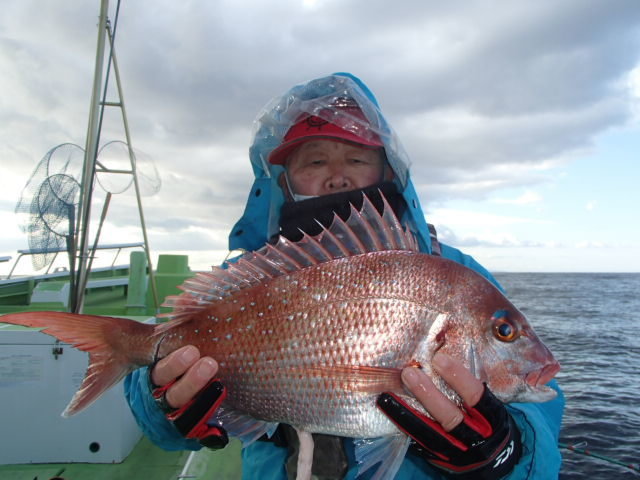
(521, 117)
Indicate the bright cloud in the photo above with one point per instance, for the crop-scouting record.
(492, 104)
(527, 198)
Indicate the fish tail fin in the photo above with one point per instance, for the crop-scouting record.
(116, 347)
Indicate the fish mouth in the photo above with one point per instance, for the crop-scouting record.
(540, 378)
(535, 388)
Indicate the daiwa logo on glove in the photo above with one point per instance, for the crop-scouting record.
(504, 455)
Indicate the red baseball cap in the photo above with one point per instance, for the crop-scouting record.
(312, 127)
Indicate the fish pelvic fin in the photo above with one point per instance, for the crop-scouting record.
(116, 347)
(241, 426)
(366, 230)
(388, 452)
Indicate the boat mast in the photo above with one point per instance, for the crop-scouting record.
(87, 183)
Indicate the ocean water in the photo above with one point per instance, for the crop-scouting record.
(591, 322)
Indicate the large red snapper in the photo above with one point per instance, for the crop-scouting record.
(309, 333)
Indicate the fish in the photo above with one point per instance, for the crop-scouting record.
(309, 333)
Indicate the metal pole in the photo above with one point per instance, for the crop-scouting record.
(105, 208)
(88, 171)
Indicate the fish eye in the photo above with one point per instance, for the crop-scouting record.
(503, 328)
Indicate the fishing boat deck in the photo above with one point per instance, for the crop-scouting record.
(145, 461)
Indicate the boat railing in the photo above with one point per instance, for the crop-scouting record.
(118, 247)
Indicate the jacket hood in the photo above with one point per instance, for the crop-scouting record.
(319, 98)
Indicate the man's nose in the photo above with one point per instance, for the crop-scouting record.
(338, 181)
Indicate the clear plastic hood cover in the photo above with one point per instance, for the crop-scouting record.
(325, 98)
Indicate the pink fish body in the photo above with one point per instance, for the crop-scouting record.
(310, 333)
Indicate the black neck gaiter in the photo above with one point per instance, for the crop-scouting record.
(305, 214)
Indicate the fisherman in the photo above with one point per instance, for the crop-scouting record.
(316, 150)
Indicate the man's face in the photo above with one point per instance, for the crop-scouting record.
(321, 167)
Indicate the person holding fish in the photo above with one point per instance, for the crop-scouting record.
(325, 149)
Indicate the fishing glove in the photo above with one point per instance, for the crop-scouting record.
(485, 446)
(191, 418)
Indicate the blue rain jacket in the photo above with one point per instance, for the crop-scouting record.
(539, 423)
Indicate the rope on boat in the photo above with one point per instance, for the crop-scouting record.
(580, 448)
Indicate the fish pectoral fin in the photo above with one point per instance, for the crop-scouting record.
(388, 451)
(359, 378)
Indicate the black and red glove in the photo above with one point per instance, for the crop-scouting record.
(191, 418)
(485, 446)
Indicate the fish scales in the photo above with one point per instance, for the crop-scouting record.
(357, 311)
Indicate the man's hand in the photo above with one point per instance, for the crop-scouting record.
(184, 387)
(188, 371)
(479, 441)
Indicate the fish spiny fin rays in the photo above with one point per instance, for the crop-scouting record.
(392, 235)
(388, 452)
(206, 288)
(366, 230)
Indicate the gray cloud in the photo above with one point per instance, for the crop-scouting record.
(483, 96)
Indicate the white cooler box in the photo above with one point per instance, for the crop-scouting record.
(38, 378)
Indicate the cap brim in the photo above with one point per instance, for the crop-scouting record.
(279, 155)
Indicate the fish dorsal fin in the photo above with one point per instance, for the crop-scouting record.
(365, 231)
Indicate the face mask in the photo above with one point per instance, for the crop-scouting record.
(296, 196)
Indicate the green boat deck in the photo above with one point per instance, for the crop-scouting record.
(146, 461)
(120, 290)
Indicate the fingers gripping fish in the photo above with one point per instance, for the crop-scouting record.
(309, 333)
